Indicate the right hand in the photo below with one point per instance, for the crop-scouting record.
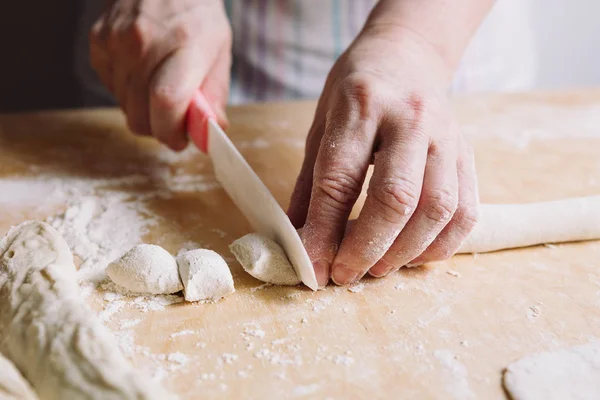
(153, 55)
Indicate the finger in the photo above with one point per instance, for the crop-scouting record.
(138, 106)
(300, 199)
(465, 218)
(436, 207)
(99, 57)
(340, 168)
(392, 197)
(216, 85)
(171, 90)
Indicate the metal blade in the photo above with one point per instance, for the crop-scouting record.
(255, 201)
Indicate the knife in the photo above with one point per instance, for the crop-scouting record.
(245, 188)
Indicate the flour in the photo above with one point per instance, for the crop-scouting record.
(357, 288)
(205, 275)
(99, 230)
(182, 333)
(143, 303)
(229, 358)
(146, 268)
(253, 333)
(264, 259)
(457, 379)
(261, 287)
(534, 312)
(178, 357)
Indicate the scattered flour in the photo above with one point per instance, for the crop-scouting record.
(229, 358)
(457, 381)
(182, 333)
(261, 287)
(253, 333)
(453, 273)
(356, 288)
(534, 311)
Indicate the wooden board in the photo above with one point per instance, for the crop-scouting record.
(443, 331)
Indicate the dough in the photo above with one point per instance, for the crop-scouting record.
(205, 275)
(264, 259)
(48, 331)
(146, 268)
(570, 373)
(12, 383)
(506, 226)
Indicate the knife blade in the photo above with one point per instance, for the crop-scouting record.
(246, 189)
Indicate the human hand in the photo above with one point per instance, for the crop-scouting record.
(154, 55)
(384, 102)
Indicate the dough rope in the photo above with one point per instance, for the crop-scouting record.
(506, 226)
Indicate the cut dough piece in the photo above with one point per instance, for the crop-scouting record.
(12, 383)
(48, 331)
(205, 275)
(146, 268)
(570, 373)
(505, 226)
(264, 259)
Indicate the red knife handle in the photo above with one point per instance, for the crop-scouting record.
(198, 115)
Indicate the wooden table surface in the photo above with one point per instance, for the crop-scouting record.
(445, 330)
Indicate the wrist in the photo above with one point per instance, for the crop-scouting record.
(408, 46)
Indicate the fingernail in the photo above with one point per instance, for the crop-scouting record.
(381, 269)
(342, 275)
(322, 272)
(378, 273)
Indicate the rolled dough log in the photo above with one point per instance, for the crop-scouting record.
(47, 330)
(146, 268)
(12, 383)
(505, 226)
(264, 259)
(205, 275)
(570, 373)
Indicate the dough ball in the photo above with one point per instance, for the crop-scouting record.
(205, 275)
(146, 268)
(264, 259)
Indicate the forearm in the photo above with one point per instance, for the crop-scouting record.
(445, 25)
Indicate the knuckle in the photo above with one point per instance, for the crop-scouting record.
(139, 35)
(359, 91)
(339, 187)
(397, 199)
(181, 33)
(164, 96)
(439, 206)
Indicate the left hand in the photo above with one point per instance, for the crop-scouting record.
(384, 102)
